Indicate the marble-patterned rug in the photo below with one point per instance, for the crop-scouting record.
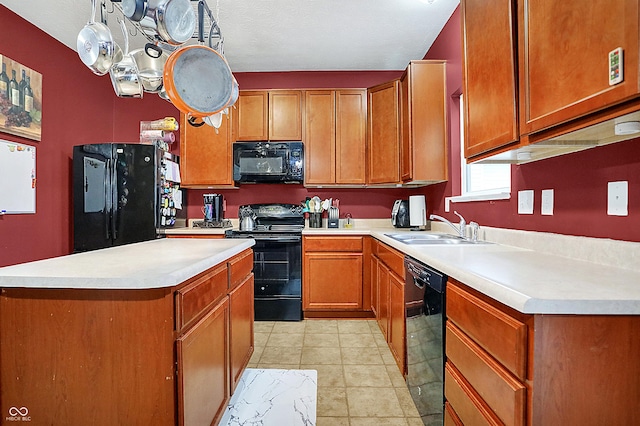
(273, 397)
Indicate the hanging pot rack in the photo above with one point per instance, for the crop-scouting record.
(205, 20)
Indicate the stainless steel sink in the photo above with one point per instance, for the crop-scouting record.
(431, 239)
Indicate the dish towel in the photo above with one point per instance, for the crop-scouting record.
(274, 397)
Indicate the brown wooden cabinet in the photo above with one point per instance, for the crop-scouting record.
(203, 368)
(564, 58)
(490, 75)
(389, 299)
(332, 273)
(206, 156)
(335, 137)
(383, 153)
(505, 367)
(423, 153)
(535, 70)
(268, 115)
(240, 328)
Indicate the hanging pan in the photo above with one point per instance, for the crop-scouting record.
(198, 81)
(95, 45)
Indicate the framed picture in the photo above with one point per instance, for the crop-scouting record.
(20, 100)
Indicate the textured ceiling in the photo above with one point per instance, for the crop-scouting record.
(285, 35)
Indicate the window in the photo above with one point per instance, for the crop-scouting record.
(481, 181)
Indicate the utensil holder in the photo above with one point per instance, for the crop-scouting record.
(315, 220)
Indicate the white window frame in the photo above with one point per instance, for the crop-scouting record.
(498, 193)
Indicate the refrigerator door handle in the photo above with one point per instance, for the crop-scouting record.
(107, 197)
(114, 201)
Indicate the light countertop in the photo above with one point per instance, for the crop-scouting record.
(151, 264)
(528, 280)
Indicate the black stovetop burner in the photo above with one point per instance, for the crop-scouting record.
(273, 218)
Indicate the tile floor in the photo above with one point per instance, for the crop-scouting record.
(359, 383)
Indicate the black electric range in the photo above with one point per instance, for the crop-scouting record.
(277, 260)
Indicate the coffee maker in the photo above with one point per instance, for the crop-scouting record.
(213, 212)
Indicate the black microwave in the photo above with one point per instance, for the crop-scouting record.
(268, 162)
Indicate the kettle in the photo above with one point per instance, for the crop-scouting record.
(247, 218)
(247, 223)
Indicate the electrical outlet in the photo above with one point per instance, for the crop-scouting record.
(547, 202)
(618, 198)
(525, 202)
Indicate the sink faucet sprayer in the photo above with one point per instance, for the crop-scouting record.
(461, 230)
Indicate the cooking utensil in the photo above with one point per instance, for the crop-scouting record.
(124, 74)
(95, 45)
(172, 21)
(198, 80)
(150, 62)
(134, 9)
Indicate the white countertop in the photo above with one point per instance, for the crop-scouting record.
(151, 264)
(528, 280)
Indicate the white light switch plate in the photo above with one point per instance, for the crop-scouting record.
(547, 202)
(618, 198)
(525, 202)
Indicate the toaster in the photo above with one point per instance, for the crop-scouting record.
(400, 214)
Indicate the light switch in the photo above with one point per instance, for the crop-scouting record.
(525, 202)
(547, 202)
(618, 198)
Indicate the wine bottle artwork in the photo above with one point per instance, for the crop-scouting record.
(20, 99)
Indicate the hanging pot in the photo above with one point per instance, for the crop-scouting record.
(124, 74)
(198, 80)
(150, 62)
(95, 45)
(134, 10)
(172, 21)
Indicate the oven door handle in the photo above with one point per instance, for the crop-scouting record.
(278, 239)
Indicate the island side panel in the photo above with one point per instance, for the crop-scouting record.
(99, 357)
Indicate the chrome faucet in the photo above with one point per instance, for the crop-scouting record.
(461, 230)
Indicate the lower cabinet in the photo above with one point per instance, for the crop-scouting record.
(333, 274)
(388, 270)
(203, 368)
(508, 368)
(240, 328)
(214, 320)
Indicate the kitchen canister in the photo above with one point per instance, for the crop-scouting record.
(315, 220)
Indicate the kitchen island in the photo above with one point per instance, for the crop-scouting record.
(157, 333)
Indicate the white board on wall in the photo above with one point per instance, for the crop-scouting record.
(17, 177)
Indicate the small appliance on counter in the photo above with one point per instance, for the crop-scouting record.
(213, 211)
(334, 217)
(400, 214)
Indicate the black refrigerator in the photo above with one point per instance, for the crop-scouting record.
(122, 193)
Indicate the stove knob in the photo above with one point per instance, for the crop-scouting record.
(262, 288)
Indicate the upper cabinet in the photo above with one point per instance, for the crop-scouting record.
(538, 75)
(268, 115)
(423, 121)
(206, 156)
(564, 63)
(489, 75)
(384, 133)
(335, 137)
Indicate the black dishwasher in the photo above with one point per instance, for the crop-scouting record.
(425, 306)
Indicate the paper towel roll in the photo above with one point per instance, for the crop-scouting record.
(417, 210)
